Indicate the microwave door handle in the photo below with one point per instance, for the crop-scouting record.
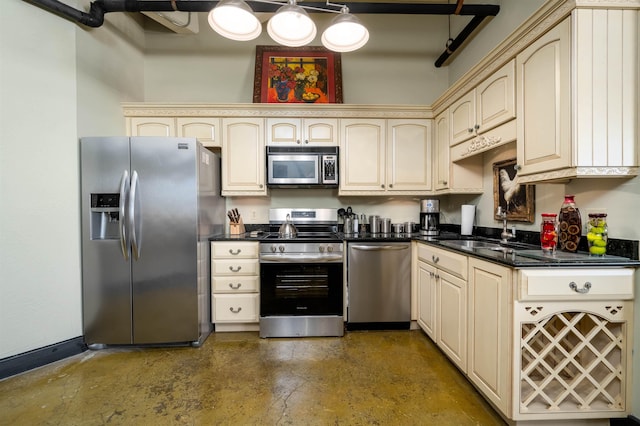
(124, 217)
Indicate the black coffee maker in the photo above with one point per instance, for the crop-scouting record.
(430, 217)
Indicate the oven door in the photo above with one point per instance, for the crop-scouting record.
(293, 169)
(301, 289)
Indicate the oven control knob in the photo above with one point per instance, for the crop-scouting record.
(321, 249)
(273, 248)
(329, 249)
(281, 248)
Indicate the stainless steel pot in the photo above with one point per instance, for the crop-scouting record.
(287, 229)
(349, 225)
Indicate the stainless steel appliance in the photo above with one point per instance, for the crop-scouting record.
(379, 285)
(149, 206)
(430, 217)
(301, 278)
(302, 167)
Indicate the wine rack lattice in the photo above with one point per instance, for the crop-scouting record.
(572, 361)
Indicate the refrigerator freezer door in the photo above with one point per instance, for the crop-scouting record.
(106, 274)
(165, 297)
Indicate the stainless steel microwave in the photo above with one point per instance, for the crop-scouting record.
(302, 167)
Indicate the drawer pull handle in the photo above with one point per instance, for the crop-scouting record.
(587, 286)
(235, 270)
(237, 252)
(235, 287)
(435, 258)
(235, 311)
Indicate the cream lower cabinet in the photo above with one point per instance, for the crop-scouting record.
(442, 300)
(572, 343)
(243, 157)
(235, 284)
(489, 355)
(384, 157)
(581, 80)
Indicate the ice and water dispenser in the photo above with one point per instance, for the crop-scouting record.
(105, 216)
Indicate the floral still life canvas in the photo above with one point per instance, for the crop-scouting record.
(288, 75)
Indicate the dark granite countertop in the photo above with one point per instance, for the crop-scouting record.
(526, 252)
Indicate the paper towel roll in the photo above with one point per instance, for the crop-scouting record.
(468, 216)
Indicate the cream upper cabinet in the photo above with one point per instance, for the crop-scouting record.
(485, 107)
(206, 130)
(301, 132)
(362, 155)
(409, 155)
(383, 156)
(462, 177)
(152, 126)
(243, 157)
(441, 157)
(489, 352)
(577, 91)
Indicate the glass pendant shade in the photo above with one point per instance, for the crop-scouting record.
(291, 26)
(345, 34)
(235, 20)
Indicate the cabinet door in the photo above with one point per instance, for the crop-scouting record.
(489, 318)
(451, 312)
(408, 155)
(153, 126)
(543, 92)
(321, 131)
(284, 131)
(441, 158)
(205, 130)
(496, 98)
(243, 157)
(463, 118)
(427, 299)
(362, 155)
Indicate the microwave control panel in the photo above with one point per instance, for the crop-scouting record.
(329, 169)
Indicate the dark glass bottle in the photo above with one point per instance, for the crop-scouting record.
(570, 225)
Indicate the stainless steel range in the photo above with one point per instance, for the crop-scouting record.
(301, 278)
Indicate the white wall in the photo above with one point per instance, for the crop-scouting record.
(395, 67)
(58, 82)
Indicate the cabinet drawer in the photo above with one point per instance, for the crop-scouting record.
(455, 264)
(234, 267)
(234, 250)
(235, 307)
(237, 284)
(576, 284)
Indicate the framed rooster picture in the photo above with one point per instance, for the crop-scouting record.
(508, 193)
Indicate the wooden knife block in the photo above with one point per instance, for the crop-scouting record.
(237, 228)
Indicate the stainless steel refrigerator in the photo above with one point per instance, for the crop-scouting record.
(149, 206)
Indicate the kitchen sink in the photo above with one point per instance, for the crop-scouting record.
(477, 244)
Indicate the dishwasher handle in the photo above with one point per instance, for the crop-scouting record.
(380, 247)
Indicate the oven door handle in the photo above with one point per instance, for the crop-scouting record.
(380, 248)
(275, 258)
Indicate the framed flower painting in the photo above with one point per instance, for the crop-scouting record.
(290, 75)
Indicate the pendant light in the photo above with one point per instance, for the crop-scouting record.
(234, 19)
(291, 26)
(345, 34)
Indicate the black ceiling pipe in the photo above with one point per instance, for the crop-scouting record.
(95, 17)
(457, 42)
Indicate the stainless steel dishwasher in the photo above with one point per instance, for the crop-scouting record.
(379, 285)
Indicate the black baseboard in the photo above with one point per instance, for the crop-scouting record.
(38, 357)
(378, 326)
(629, 421)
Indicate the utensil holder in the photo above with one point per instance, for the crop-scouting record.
(237, 228)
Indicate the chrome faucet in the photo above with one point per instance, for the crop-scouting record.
(505, 235)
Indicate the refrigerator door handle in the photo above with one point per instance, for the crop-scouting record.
(124, 217)
(135, 219)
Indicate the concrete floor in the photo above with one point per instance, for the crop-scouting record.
(381, 377)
